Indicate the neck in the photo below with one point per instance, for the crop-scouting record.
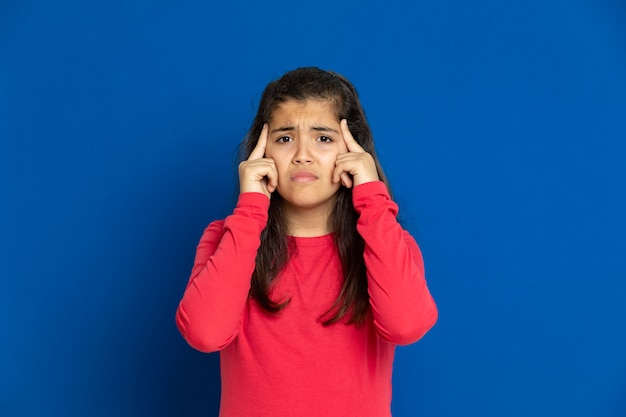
(308, 222)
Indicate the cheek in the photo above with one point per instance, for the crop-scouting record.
(275, 154)
(329, 160)
(282, 161)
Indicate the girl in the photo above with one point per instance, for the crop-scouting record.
(307, 287)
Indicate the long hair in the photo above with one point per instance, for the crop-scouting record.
(300, 85)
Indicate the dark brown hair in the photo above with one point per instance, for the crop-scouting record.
(303, 84)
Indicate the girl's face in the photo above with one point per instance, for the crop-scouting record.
(304, 140)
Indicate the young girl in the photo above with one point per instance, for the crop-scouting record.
(308, 286)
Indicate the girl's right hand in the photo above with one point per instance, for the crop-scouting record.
(258, 174)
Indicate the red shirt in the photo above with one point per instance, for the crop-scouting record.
(289, 364)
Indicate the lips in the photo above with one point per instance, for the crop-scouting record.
(303, 176)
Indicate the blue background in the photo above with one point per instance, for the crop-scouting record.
(500, 124)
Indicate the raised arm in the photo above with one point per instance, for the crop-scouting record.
(402, 306)
(209, 314)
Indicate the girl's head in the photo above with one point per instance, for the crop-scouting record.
(312, 83)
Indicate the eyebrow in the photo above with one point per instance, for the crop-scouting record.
(314, 128)
(324, 129)
(282, 129)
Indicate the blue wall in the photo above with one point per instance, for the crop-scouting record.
(500, 124)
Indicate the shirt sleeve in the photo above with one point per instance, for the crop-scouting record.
(210, 312)
(402, 306)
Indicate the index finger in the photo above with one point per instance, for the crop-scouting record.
(351, 144)
(259, 150)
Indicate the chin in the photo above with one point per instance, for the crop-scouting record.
(309, 201)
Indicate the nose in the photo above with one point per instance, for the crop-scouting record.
(304, 153)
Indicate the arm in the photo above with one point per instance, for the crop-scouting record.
(210, 312)
(402, 306)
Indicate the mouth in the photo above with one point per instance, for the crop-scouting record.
(303, 176)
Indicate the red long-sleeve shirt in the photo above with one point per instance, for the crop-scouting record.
(289, 364)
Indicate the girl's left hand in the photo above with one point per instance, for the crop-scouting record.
(356, 166)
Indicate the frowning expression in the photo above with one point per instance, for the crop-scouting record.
(304, 141)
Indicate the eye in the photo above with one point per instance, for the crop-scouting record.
(325, 139)
(284, 139)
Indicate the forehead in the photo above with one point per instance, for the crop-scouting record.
(312, 109)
